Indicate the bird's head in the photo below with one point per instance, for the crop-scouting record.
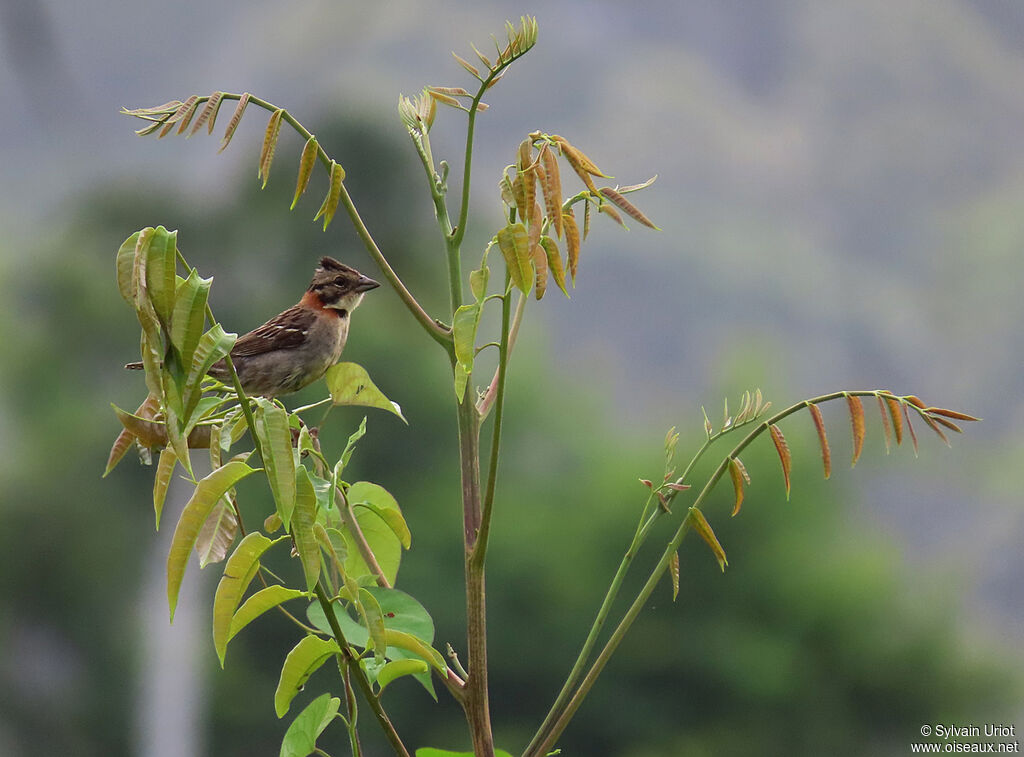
(338, 286)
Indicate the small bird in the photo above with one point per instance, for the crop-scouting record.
(296, 347)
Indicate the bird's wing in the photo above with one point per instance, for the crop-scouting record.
(282, 332)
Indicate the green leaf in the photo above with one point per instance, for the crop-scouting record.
(300, 738)
(401, 611)
(206, 496)
(306, 164)
(513, 241)
(350, 384)
(461, 381)
(303, 519)
(554, 262)
(269, 145)
(239, 571)
(390, 514)
(256, 605)
(212, 346)
(161, 262)
(276, 444)
(304, 659)
(398, 668)
(700, 523)
(189, 315)
(373, 621)
(217, 534)
(416, 646)
(161, 480)
(333, 197)
(126, 267)
(478, 282)
(350, 447)
(378, 532)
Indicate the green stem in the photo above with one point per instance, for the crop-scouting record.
(542, 745)
(348, 517)
(357, 672)
(492, 390)
(480, 550)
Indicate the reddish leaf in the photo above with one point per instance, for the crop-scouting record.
(208, 115)
(947, 423)
(738, 474)
(467, 65)
(951, 414)
(236, 117)
(269, 144)
(857, 421)
(886, 427)
(188, 113)
(527, 174)
(708, 535)
(551, 187)
(935, 427)
(631, 210)
(540, 263)
(572, 242)
(897, 418)
(572, 156)
(784, 455)
(910, 428)
(554, 262)
(819, 424)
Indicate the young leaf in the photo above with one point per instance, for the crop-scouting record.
(164, 470)
(208, 115)
(398, 668)
(303, 519)
(118, 450)
(236, 117)
(306, 164)
(276, 444)
(239, 571)
(737, 474)
(259, 603)
(350, 447)
(947, 423)
(612, 213)
(819, 425)
(551, 188)
(304, 659)
(784, 455)
(467, 65)
(886, 427)
(935, 427)
(540, 264)
(161, 263)
(631, 210)
(416, 646)
(269, 145)
(300, 738)
(350, 384)
(217, 533)
(897, 417)
(330, 203)
(527, 174)
(696, 517)
(373, 621)
(572, 242)
(189, 315)
(187, 110)
(857, 421)
(125, 263)
(554, 260)
(910, 428)
(673, 571)
(948, 413)
(206, 496)
(513, 241)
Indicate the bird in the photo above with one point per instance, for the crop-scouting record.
(296, 347)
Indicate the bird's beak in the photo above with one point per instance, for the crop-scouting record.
(365, 284)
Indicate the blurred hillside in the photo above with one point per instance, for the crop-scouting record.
(840, 191)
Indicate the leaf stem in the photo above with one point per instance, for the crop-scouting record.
(348, 517)
(353, 665)
(559, 717)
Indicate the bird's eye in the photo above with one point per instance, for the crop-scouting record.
(339, 280)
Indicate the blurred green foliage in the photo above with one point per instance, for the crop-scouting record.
(813, 640)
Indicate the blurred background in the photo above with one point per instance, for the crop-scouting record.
(840, 194)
